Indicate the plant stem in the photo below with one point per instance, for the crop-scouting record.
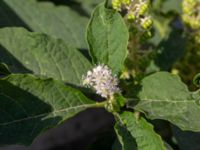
(98, 104)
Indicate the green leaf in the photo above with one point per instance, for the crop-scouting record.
(25, 51)
(165, 96)
(8, 17)
(167, 6)
(120, 100)
(4, 69)
(143, 133)
(58, 21)
(124, 137)
(107, 36)
(30, 105)
(196, 80)
(172, 6)
(162, 29)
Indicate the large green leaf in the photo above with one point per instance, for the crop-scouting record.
(107, 37)
(124, 137)
(24, 51)
(58, 21)
(143, 132)
(8, 17)
(165, 96)
(30, 104)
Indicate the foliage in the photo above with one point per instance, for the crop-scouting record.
(134, 54)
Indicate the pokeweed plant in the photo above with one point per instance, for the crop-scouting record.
(41, 75)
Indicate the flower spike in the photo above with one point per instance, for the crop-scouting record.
(101, 79)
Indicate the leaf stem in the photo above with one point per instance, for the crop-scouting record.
(98, 104)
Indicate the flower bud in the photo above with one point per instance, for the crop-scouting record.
(116, 4)
(146, 23)
(131, 16)
(143, 9)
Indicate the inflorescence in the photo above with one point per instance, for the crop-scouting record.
(136, 13)
(191, 17)
(101, 79)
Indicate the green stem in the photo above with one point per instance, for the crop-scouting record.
(98, 104)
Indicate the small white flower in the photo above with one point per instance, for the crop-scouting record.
(102, 80)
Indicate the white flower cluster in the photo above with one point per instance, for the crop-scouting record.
(102, 80)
